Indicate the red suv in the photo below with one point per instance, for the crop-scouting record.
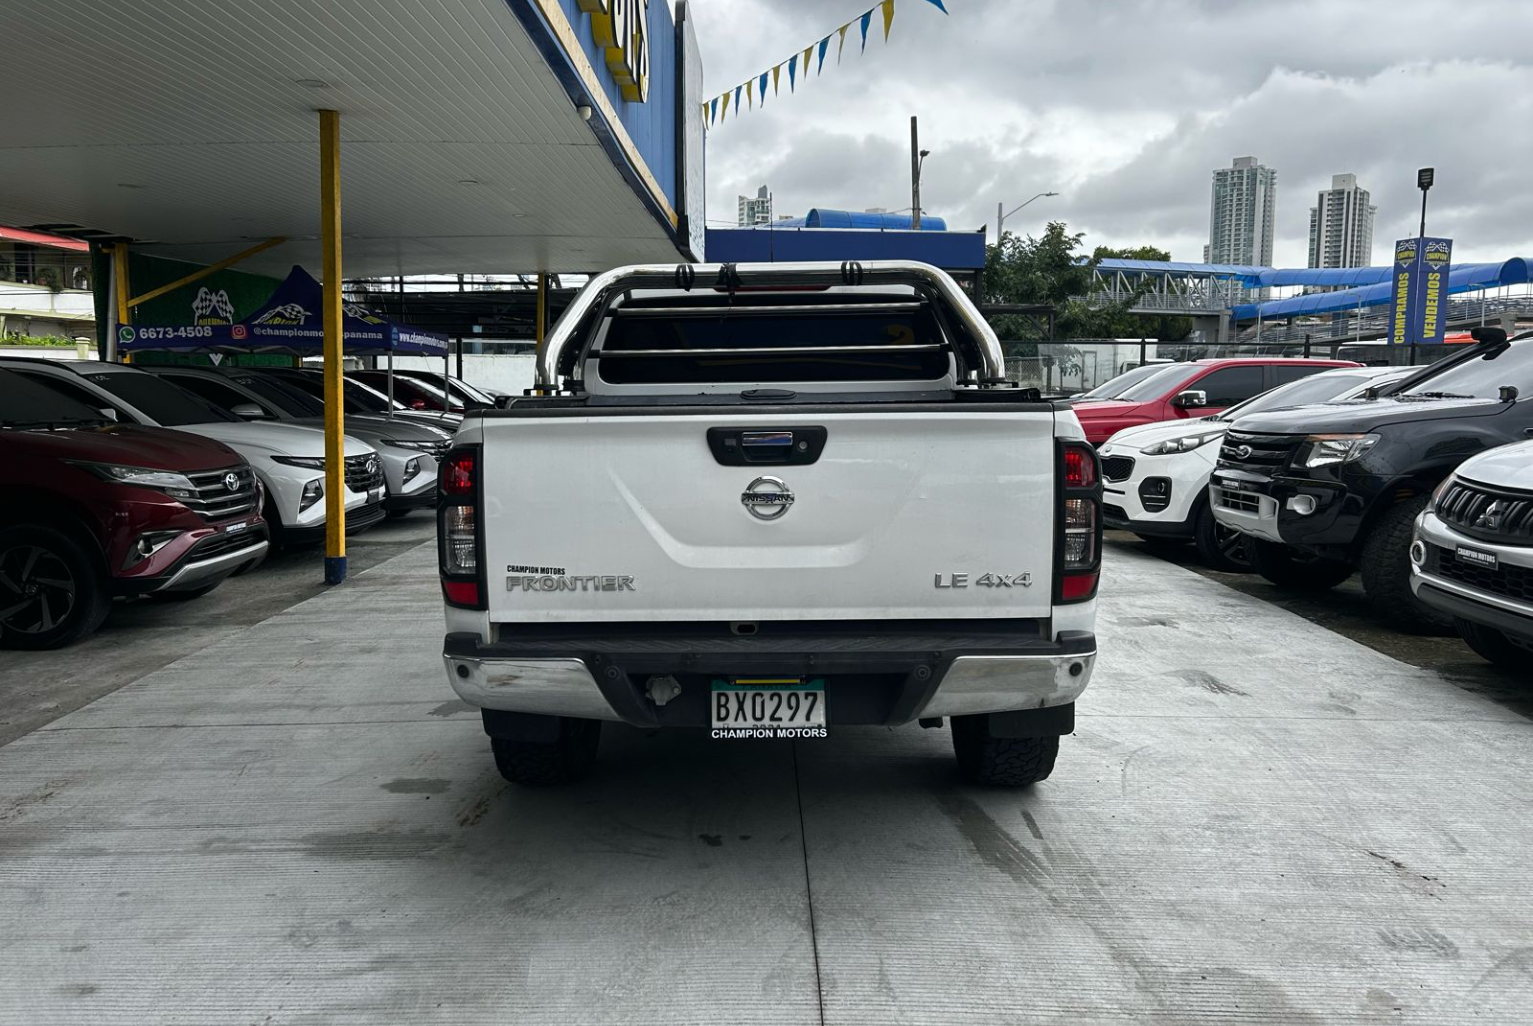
(90, 509)
(1190, 390)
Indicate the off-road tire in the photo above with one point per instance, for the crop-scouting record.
(1220, 547)
(1000, 761)
(59, 557)
(1292, 571)
(1386, 571)
(1491, 645)
(546, 763)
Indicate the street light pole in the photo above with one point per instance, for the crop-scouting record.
(1001, 215)
(916, 153)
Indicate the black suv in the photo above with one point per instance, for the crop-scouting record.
(1325, 490)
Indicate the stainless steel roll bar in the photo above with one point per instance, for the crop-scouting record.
(986, 347)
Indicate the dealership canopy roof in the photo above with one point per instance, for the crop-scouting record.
(1461, 278)
(291, 321)
(190, 127)
(822, 217)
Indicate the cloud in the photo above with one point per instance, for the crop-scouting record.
(1126, 109)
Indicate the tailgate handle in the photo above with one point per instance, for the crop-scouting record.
(739, 447)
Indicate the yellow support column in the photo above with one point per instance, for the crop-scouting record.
(335, 425)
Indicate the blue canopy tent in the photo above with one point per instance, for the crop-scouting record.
(292, 321)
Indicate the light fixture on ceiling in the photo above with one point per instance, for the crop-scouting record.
(312, 83)
(468, 181)
(585, 111)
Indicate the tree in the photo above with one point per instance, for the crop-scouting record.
(1049, 270)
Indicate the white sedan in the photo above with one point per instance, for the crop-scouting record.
(1156, 475)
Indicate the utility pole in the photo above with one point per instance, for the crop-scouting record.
(915, 176)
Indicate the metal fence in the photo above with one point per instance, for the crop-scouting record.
(1080, 365)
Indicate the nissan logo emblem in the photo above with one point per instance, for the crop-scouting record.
(232, 481)
(766, 498)
(1243, 451)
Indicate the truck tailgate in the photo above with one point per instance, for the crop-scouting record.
(632, 517)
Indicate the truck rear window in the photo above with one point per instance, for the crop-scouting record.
(795, 338)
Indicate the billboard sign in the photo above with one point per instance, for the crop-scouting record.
(1404, 295)
(1420, 297)
(1432, 296)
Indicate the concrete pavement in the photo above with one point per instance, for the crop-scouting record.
(1258, 821)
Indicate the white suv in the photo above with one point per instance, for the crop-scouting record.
(1472, 556)
(1157, 474)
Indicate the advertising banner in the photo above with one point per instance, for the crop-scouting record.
(1406, 286)
(1432, 294)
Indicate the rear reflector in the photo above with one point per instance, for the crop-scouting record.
(1074, 587)
(461, 593)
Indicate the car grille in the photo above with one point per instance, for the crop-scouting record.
(1243, 502)
(1482, 513)
(1117, 468)
(1265, 452)
(364, 472)
(1515, 582)
(216, 500)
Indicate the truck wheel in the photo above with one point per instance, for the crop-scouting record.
(1220, 547)
(1000, 761)
(1491, 645)
(1294, 571)
(1387, 571)
(51, 592)
(542, 763)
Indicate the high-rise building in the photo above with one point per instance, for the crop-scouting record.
(755, 210)
(1241, 216)
(1341, 225)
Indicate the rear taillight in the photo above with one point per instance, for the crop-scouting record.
(1079, 540)
(460, 545)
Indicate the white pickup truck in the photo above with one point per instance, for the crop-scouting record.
(771, 500)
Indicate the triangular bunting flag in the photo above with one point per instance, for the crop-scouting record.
(842, 45)
(762, 88)
(713, 112)
(776, 73)
(748, 96)
(737, 99)
(819, 69)
(888, 6)
(867, 19)
(724, 111)
(792, 68)
(807, 51)
(938, 5)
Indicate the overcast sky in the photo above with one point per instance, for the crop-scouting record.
(1125, 107)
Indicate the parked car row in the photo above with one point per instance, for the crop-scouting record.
(117, 481)
(1420, 479)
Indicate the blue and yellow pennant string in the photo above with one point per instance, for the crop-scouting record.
(716, 110)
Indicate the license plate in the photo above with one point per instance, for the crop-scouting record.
(760, 707)
(1475, 557)
(374, 495)
(236, 528)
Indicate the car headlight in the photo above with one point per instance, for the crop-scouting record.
(412, 444)
(307, 462)
(412, 468)
(1182, 443)
(1328, 450)
(177, 486)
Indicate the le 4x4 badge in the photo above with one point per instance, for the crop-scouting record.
(986, 580)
